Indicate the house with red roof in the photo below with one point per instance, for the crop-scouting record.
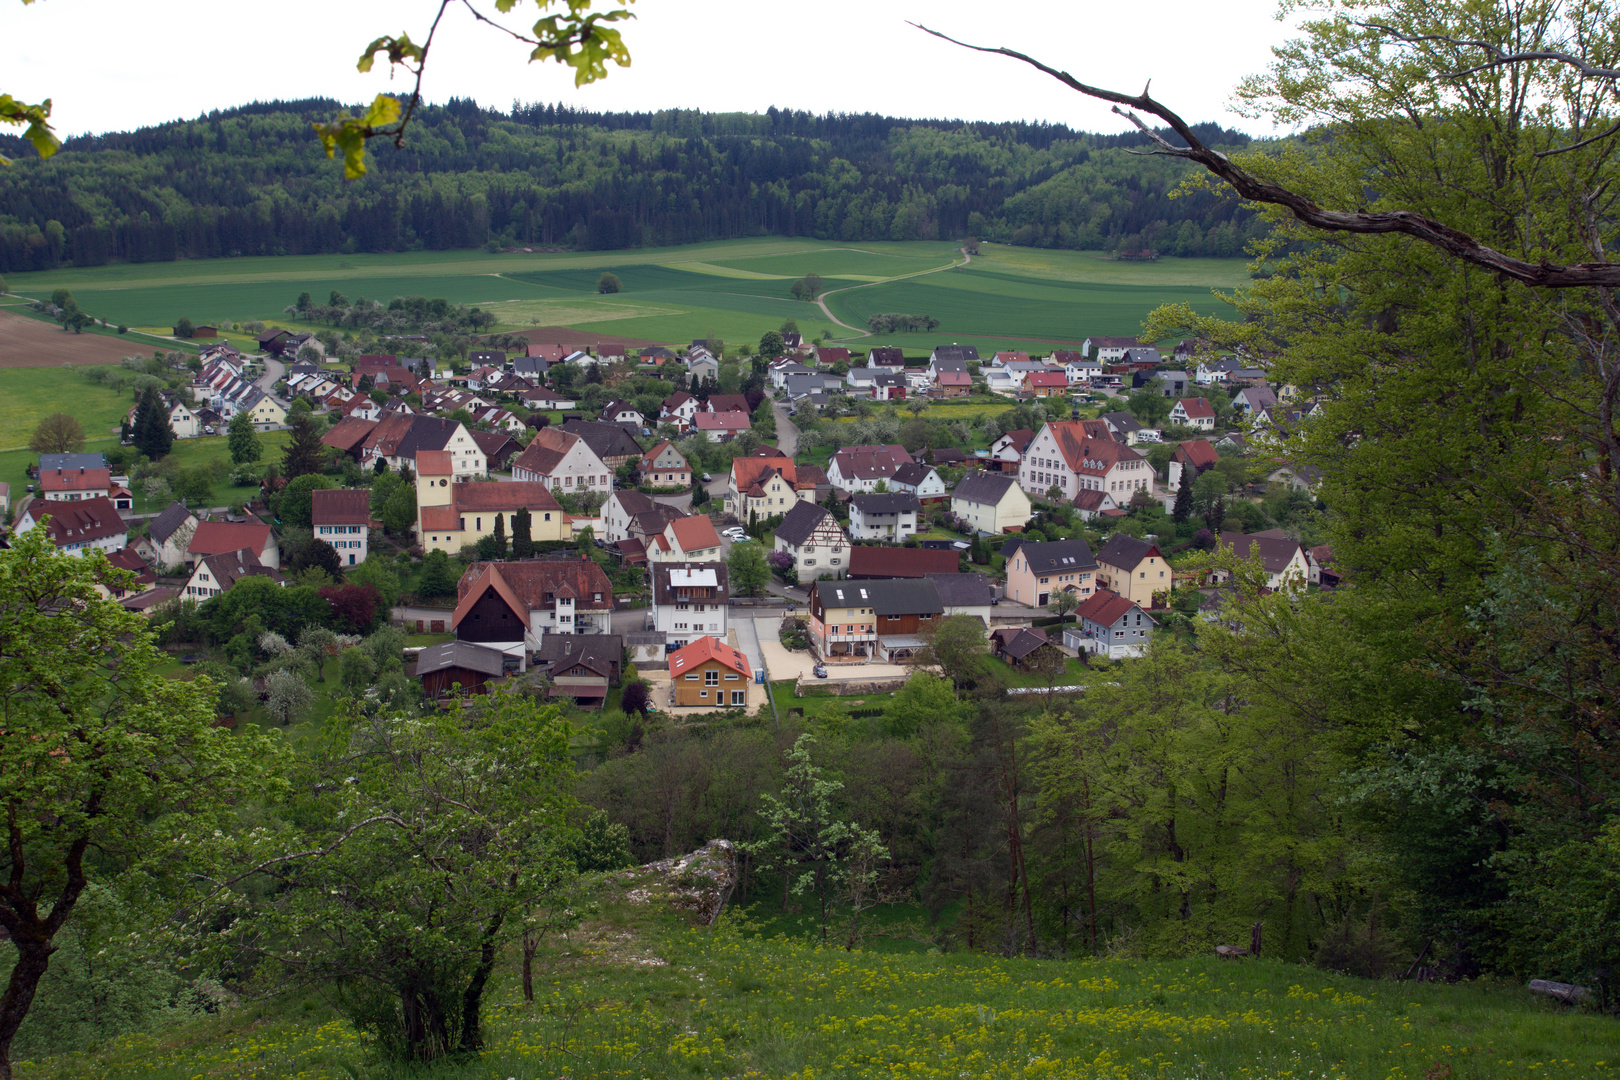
(1108, 624)
(1193, 412)
(861, 468)
(76, 527)
(1079, 455)
(709, 673)
(74, 485)
(223, 537)
(722, 427)
(687, 539)
(1047, 383)
(513, 605)
(763, 487)
(342, 517)
(452, 513)
(1195, 454)
(665, 467)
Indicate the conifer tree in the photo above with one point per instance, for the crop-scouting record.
(153, 435)
(522, 538)
(304, 453)
(500, 536)
(1184, 496)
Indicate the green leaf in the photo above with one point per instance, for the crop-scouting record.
(37, 117)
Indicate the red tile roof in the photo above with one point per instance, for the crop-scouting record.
(726, 421)
(891, 562)
(1197, 453)
(695, 533)
(532, 579)
(75, 480)
(1104, 606)
(1198, 408)
(954, 378)
(503, 496)
(490, 579)
(702, 651)
(1047, 378)
(219, 537)
(340, 506)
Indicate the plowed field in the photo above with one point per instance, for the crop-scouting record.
(26, 342)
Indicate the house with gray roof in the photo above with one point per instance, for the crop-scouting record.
(888, 516)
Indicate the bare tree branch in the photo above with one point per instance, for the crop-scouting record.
(1457, 244)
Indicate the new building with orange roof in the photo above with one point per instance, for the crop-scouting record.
(452, 513)
(708, 672)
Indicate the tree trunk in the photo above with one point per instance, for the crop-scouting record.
(472, 999)
(32, 960)
(531, 942)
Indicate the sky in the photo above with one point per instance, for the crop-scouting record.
(114, 65)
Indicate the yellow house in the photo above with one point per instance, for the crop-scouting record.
(452, 514)
(1135, 569)
(990, 502)
(267, 412)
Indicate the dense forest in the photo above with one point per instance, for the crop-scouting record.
(253, 181)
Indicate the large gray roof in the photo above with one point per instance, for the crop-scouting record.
(888, 502)
(962, 590)
(896, 596)
(800, 522)
(984, 487)
(1058, 556)
(163, 526)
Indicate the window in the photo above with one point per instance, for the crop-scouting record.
(703, 693)
(739, 697)
(691, 676)
(732, 676)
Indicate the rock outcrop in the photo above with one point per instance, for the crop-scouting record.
(700, 882)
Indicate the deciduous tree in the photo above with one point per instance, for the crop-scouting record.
(58, 433)
(244, 440)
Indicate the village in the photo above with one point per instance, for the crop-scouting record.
(711, 528)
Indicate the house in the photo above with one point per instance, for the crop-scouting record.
(1142, 358)
(888, 516)
(1090, 504)
(1026, 649)
(619, 509)
(399, 437)
(265, 411)
(678, 409)
(1107, 624)
(1217, 370)
(274, 341)
(342, 517)
(1283, 559)
(990, 503)
(782, 370)
(76, 527)
(609, 442)
(1008, 450)
(1133, 568)
(621, 412)
(862, 468)
(972, 595)
(451, 514)
(1037, 572)
(225, 537)
(498, 447)
(348, 436)
(1108, 349)
(884, 620)
(1170, 384)
(513, 605)
(814, 538)
(762, 487)
(1254, 399)
(665, 467)
(648, 526)
(923, 481)
(1323, 570)
(71, 462)
(562, 460)
(827, 355)
(885, 356)
(703, 366)
(866, 563)
(1048, 383)
(74, 485)
(886, 385)
(1075, 455)
(1299, 477)
(722, 427)
(1009, 356)
(953, 384)
(951, 358)
(686, 539)
(215, 574)
(1076, 367)
(459, 667)
(1124, 427)
(182, 421)
(557, 650)
(708, 672)
(689, 599)
(1005, 383)
(168, 535)
(1195, 454)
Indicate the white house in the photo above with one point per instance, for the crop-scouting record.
(168, 535)
(563, 461)
(689, 600)
(678, 409)
(342, 517)
(77, 527)
(1109, 349)
(687, 539)
(923, 481)
(1080, 455)
(813, 537)
(1194, 413)
(990, 502)
(890, 516)
(215, 574)
(621, 412)
(1081, 370)
(862, 468)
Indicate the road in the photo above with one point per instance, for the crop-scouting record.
(827, 311)
(273, 371)
(787, 434)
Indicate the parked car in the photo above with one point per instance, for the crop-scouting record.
(820, 671)
(707, 479)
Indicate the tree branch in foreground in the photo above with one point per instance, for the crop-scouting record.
(1457, 244)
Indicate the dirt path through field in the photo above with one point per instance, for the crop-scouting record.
(26, 343)
(827, 311)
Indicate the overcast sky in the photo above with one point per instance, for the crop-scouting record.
(115, 65)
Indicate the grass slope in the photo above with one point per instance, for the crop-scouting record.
(637, 993)
(28, 395)
(1007, 298)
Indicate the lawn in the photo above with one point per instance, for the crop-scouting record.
(1007, 298)
(1073, 670)
(638, 992)
(28, 395)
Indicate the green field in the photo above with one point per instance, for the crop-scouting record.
(28, 395)
(636, 992)
(1007, 298)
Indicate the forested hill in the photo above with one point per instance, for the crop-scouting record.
(253, 181)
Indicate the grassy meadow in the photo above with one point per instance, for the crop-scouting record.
(1007, 298)
(636, 992)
